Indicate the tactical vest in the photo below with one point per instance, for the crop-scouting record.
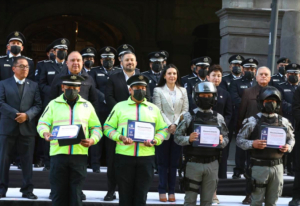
(208, 119)
(266, 153)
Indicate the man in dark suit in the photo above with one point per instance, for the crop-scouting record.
(121, 50)
(249, 107)
(20, 102)
(15, 45)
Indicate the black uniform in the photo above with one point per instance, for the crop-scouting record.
(185, 79)
(226, 80)
(153, 80)
(277, 79)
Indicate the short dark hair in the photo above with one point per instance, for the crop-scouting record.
(214, 68)
(162, 80)
(128, 52)
(16, 59)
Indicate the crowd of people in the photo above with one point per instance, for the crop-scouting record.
(106, 101)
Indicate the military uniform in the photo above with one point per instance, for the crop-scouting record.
(281, 75)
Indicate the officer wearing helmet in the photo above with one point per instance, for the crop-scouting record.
(201, 162)
(266, 162)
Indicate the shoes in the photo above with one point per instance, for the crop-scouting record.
(30, 196)
(294, 202)
(162, 197)
(236, 175)
(155, 171)
(171, 198)
(46, 169)
(2, 196)
(215, 198)
(19, 166)
(110, 196)
(290, 173)
(82, 196)
(247, 200)
(39, 164)
(96, 171)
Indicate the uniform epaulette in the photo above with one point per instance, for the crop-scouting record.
(29, 58)
(225, 75)
(281, 83)
(144, 72)
(274, 75)
(185, 76)
(192, 77)
(3, 56)
(237, 78)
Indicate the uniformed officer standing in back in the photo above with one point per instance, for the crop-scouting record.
(281, 75)
(201, 162)
(265, 162)
(68, 162)
(50, 56)
(235, 62)
(166, 56)
(134, 161)
(287, 90)
(15, 45)
(121, 50)
(201, 69)
(184, 79)
(156, 60)
(88, 55)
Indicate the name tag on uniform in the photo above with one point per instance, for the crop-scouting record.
(100, 75)
(243, 87)
(51, 73)
(275, 80)
(7, 65)
(287, 90)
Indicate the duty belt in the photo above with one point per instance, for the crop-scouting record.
(268, 163)
(204, 160)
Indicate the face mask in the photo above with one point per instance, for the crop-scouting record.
(202, 73)
(15, 49)
(52, 57)
(270, 107)
(139, 94)
(205, 103)
(71, 94)
(108, 64)
(236, 70)
(281, 70)
(293, 79)
(61, 54)
(249, 75)
(88, 64)
(157, 66)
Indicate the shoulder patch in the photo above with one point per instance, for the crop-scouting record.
(192, 77)
(281, 83)
(27, 58)
(225, 75)
(3, 56)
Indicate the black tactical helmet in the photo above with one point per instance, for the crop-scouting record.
(204, 87)
(268, 92)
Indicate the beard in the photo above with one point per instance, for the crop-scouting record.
(128, 68)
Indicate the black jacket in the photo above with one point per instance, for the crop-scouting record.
(11, 103)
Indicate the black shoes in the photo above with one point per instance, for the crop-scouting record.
(30, 196)
(247, 200)
(2, 196)
(82, 195)
(236, 175)
(294, 202)
(110, 196)
(46, 169)
(39, 164)
(96, 170)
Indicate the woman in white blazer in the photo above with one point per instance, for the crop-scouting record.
(172, 100)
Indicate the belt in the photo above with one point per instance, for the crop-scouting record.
(204, 160)
(268, 163)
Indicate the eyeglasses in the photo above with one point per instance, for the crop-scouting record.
(23, 66)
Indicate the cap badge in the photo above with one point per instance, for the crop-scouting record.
(238, 57)
(125, 46)
(141, 77)
(163, 53)
(157, 55)
(16, 33)
(107, 49)
(88, 50)
(63, 41)
(294, 65)
(205, 59)
(250, 60)
(73, 77)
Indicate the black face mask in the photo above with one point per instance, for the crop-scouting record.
(205, 103)
(88, 64)
(293, 79)
(61, 54)
(107, 64)
(139, 94)
(157, 66)
(203, 73)
(236, 70)
(52, 57)
(281, 70)
(249, 75)
(71, 94)
(15, 49)
(269, 107)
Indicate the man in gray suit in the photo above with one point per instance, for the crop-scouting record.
(20, 102)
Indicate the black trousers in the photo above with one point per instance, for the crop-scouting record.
(134, 178)
(25, 147)
(296, 187)
(110, 147)
(67, 174)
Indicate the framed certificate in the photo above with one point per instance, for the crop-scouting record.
(67, 134)
(275, 136)
(140, 131)
(208, 135)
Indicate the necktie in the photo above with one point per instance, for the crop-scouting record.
(20, 87)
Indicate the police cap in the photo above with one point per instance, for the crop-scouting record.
(250, 62)
(125, 48)
(138, 79)
(165, 53)
(48, 48)
(236, 59)
(61, 43)
(108, 52)
(283, 60)
(16, 35)
(293, 68)
(72, 80)
(156, 57)
(206, 61)
(88, 52)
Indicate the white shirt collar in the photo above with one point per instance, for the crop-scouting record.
(155, 72)
(126, 76)
(10, 55)
(19, 81)
(87, 70)
(58, 62)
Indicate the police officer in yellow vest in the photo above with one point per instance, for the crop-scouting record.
(68, 163)
(134, 161)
